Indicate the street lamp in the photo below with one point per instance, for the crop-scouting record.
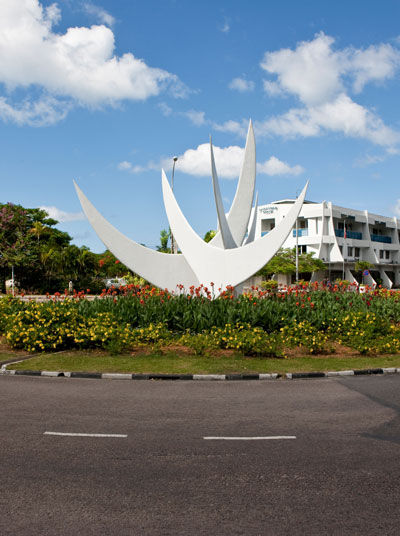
(173, 243)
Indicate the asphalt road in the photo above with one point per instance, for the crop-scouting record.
(340, 476)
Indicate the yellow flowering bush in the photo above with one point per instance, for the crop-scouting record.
(305, 335)
(251, 341)
(53, 326)
(361, 331)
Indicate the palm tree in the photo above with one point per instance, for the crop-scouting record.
(38, 229)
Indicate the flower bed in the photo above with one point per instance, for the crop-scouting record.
(262, 323)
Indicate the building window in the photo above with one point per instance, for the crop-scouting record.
(387, 255)
(381, 253)
(302, 249)
(357, 252)
(349, 251)
(341, 249)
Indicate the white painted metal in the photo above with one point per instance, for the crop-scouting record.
(226, 235)
(239, 213)
(161, 269)
(252, 227)
(231, 266)
(201, 262)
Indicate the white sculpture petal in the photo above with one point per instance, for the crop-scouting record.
(231, 266)
(161, 269)
(252, 228)
(239, 213)
(227, 238)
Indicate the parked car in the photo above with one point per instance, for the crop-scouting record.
(116, 282)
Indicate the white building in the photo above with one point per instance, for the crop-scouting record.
(340, 237)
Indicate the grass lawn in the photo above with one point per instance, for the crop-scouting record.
(5, 356)
(171, 362)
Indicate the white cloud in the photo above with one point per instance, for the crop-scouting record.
(128, 166)
(376, 63)
(62, 216)
(315, 73)
(232, 126)
(242, 85)
(272, 88)
(369, 159)
(79, 65)
(43, 112)
(196, 117)
(274, 166)
(124, 165)
(99, 13)
(321, 77)
(165, 109)
(228, 161)
(340, 115)
(225, 28)
(311, 71)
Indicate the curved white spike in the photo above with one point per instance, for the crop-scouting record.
(161, 269)
(252, 228)
(231, 266)
(227, 238)
(239, 213)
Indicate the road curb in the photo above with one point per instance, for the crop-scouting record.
(197, 377)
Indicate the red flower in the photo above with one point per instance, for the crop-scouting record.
(117, 261)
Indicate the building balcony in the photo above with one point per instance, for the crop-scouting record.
(349, 234)
(381, 238)
(300, 232)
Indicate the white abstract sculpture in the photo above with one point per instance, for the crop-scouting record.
(224, 260)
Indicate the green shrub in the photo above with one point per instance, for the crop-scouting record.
(305, 335)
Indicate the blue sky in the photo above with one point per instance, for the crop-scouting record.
(107, 92)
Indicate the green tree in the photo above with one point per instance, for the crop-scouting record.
(164, 239)
(209, 235)
(284, 262)
(361, 266)
(38, 229)
(26, 238)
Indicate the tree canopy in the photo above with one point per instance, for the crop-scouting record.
(284, 262)
(43, 257)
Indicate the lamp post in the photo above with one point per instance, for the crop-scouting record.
(173, 243)
(344, 247)
(297, 251)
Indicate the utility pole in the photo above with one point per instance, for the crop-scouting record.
(12, 279)
(174, 248)
(344, 246)
(297, 251)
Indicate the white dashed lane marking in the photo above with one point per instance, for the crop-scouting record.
(75, 434)
(257, 438)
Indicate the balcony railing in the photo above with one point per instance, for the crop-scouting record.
(301, 232)
(349, 234)
(381, 238)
